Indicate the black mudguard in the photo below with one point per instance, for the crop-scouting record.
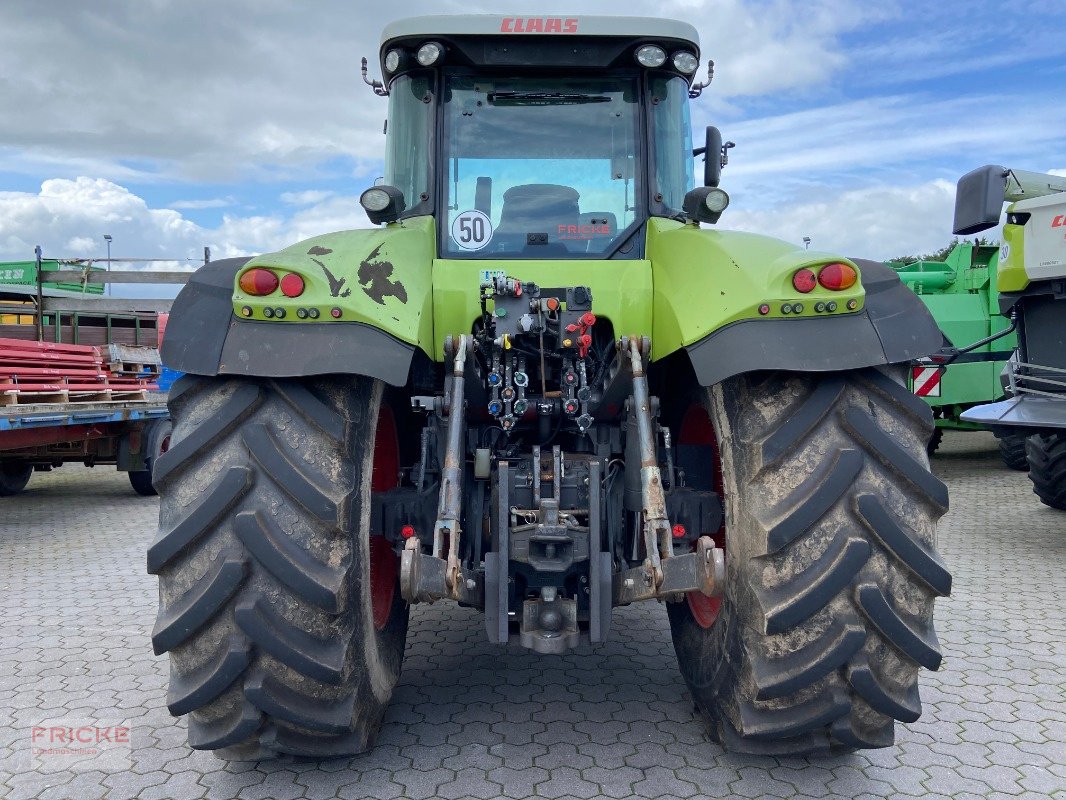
(894, 326)
(205, 337)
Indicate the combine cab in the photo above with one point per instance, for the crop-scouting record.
(541, 388)
(1032, 284)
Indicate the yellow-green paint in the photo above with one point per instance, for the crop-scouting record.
(1011, 275)
(707, 278)
(380, 276)
(620, 290)
(693, 282)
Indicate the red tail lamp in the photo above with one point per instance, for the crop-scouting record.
(837, 277)
(679, 531)
(292, 285)
(258, 282)
(407, 531)
(804, 281)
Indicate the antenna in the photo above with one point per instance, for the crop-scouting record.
(376, 85)
(697, 88)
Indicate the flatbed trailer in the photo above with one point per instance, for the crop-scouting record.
(126, 434)
(42, 429)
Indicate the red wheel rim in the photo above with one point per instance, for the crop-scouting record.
(384, 565)
(697, 429)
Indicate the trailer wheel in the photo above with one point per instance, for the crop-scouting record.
(13, 477)
(1047, 468)
(831, 564)
(282, 616)
(157, 442)
(1012, 451)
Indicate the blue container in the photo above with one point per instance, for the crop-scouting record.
(167, 378)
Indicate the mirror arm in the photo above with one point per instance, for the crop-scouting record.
(376, 85)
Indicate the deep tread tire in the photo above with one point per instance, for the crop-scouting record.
(14, 477)
(831, 564)
(1012, 450)
(263, 559)
(1047, 468)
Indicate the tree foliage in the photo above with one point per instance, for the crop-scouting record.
(942, 253)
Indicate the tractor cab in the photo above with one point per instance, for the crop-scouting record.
(537, 137)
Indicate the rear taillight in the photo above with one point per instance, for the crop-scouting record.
(258, 282)
(292, 285)
(804, 281)
(837, 277)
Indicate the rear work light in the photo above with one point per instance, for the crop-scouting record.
(837, 277)
(258, 282)
(804, 281)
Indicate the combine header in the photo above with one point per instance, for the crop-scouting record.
(961, 294)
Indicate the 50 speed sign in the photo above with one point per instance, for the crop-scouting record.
(472, 230)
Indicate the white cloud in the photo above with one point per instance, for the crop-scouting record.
(879, 222)
(211, 202)
(69, 218)
(305, 198)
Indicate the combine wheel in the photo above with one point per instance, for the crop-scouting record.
(1047, 468)
(158, 441)
(13, 478)
(1012, 451)
(934, 441)
(831, 565)
(282, 616)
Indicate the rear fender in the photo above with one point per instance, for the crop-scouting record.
(370, 288)
(709, 286)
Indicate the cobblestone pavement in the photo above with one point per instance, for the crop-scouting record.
(471, 720)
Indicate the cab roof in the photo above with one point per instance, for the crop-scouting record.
(523, 25)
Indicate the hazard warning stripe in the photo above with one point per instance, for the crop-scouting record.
(926, 381)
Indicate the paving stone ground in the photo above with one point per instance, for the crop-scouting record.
(473, 720)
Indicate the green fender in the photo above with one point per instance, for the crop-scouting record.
(365, 308)
(722, 297)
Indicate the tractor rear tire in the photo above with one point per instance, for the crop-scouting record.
(13, 478)
(1047, 468)
(282, 638)
(1012, 450)
(831, 564)
(935, 441)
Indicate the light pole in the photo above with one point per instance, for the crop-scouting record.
(107, 238)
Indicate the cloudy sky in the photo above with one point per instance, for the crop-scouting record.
(243, 124)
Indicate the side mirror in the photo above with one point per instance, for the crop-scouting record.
(979, 199)
(712, 157)
(383, 203)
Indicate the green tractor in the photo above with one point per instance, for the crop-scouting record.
(542, 390)
(961, 294)
(1032, 285)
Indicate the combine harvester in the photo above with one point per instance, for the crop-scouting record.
(961, 294)
(78, 373)
(542, 390)
(1032, 285)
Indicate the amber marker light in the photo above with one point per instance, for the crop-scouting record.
(258, 282)
(837, 277)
